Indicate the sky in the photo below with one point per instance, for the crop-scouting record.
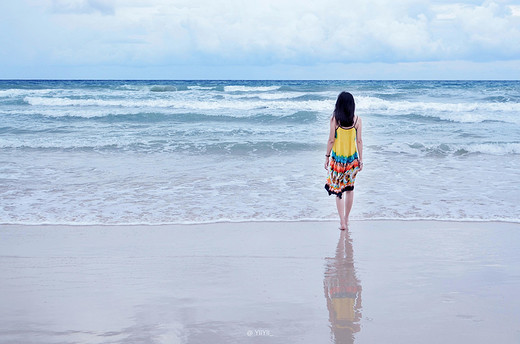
(262, 39)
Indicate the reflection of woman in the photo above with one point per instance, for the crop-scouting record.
(344, 157)
(343, 292)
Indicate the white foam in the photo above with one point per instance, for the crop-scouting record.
(57, 142)
(458, 112)
(250, 88)
(181, 103)
(202, 88)
(494, 148)
(464, 112)
(79, 112)
(16, 92)
(266, 96)
(155, 190)
(60, 93)
(267, 219)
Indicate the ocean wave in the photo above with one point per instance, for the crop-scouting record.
(117, 145)
(250, 88)
(291, 96)
(374, 103)
(165, 88)
(492, 148)
(205, 88)
(455, 112)
(308, 88)
(167, 115)
(24, 131)
(77, 93)
(448, 117)
(314, 105)
(6, 103)
(443, 149)
(502, 99)
(79, 113)
(299, 117)
(264, 96)
(17, 92)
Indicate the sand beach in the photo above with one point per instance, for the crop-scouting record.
(261, 282)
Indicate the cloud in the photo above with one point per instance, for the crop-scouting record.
(515, 10)
(478, 32)
(300, 31)
(83, 6)
(264, 32)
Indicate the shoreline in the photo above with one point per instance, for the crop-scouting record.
(226, 221)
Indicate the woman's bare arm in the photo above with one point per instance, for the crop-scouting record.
(330, 142)
(359, 141)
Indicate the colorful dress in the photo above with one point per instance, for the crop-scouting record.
(344, 162)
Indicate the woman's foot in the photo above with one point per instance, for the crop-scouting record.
(343, 225)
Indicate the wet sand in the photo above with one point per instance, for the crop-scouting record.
(268, 282)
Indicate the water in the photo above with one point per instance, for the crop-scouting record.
(126, 152)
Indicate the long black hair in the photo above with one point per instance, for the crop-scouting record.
(345, 108)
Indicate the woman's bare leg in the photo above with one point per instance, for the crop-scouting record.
(348, 196)
(340, 204)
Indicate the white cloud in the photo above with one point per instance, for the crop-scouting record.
(266, 32)
(83, 6)
(478, 32)
(515, 10)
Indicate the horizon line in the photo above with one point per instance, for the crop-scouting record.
(84, 79)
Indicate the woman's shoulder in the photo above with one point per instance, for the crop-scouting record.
(357, 121)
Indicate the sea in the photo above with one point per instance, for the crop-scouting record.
(182, 152)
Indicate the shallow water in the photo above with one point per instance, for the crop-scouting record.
(106, 152)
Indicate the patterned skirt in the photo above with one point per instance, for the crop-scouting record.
(342, 174)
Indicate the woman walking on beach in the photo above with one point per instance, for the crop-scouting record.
(344, 157)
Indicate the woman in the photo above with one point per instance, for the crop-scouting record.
(344, 157)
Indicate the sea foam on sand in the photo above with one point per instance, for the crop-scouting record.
(295, 282)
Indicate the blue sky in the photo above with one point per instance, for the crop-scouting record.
(263, 39)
